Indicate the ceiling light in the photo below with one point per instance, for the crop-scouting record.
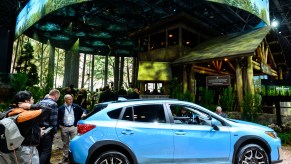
(170, 35)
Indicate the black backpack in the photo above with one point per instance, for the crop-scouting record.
(10, 137)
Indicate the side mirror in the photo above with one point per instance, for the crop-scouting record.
(214, 124)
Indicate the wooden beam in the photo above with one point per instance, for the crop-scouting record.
(230, 64)
(256, 65)
(277, 53)
(260, 54)
(266, 54)
(220, 64)
(204, 69)
(213, 62)
(274, 42)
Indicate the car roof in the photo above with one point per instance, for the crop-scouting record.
(126, 102)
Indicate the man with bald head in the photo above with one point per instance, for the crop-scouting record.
(68, 116)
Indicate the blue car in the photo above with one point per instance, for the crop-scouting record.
(151, 131)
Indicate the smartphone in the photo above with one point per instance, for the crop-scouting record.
(47, 130)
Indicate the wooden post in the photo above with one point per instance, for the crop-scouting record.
(280, 73)
(185, 79)
(180, 41)
(239, 85)
(106, 69)
(142, 87)
(192, 81)
(250, 76)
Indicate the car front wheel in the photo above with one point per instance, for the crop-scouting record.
(112, 157)
(252, 154)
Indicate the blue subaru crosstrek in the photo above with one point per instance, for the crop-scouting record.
(154, 131)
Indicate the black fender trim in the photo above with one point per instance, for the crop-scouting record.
(100, 144)
(249, 138)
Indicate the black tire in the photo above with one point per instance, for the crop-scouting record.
(112, 157)
(252, 154)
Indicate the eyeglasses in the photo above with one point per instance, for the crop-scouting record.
(31, 99)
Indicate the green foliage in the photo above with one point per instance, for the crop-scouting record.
(25, 65)
(251, 107)
(207, 99)
(18, 81)
(285, 138)
(175, 88)
(227, 99)
(177, 91)
(37, 93)
(284, 132)
(3, 106)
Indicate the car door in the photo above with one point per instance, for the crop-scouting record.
(199, 142)
(144, 129)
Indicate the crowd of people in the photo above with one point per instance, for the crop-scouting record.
(39, 122)
(87, 99)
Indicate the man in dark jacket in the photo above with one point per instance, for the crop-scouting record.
(46, 142)
(68, 116)
(29, 117)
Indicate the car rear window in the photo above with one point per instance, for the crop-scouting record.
(114, 114)
(96, 109)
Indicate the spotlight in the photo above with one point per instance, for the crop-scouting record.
(274, 23)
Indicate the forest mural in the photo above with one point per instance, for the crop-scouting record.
(36, 9)
(259, 8)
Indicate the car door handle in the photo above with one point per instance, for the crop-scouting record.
(127, 132)
(180, 133)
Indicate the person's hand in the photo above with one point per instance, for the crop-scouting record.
(42, 131)
(24, 105)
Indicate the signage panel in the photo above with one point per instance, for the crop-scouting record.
(218, 80)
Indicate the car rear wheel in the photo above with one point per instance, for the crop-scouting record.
(112, 157)
(252, 154)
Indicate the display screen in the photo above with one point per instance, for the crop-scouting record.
(36, 9)
(259, 8)
(275, 88)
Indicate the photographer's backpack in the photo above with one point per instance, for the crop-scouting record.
(10, 137)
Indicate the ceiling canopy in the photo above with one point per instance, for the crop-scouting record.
(104, 27)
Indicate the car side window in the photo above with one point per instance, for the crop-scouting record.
(149, 113)
(190, 115)
(182, 115)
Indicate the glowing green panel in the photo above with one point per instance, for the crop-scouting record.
(154, 71)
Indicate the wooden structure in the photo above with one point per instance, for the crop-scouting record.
(241, 55)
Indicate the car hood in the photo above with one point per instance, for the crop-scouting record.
(249, 124)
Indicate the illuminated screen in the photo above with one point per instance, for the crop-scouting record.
(36, 9)
(259, 8)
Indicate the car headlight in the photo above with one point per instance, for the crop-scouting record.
(271, 134)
